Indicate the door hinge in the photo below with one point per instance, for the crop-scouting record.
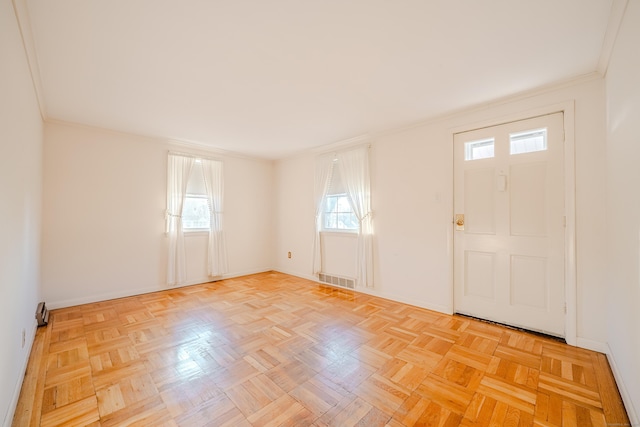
(565, 308)
(564, 221)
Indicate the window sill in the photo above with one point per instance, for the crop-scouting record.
(345, 233)
(195, 233)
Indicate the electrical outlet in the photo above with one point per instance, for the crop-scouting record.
(288, 254)
(24, 337)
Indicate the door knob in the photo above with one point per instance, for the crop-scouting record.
(459, 221)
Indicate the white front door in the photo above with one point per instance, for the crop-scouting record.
(509, 224)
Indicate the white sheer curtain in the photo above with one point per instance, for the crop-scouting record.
(217, 254)
(324, 167)
(179, 170)
(354, 169)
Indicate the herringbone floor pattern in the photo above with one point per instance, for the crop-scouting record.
(275, 350)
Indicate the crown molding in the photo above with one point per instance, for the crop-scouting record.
(341, 145)
(618, 8)
(365, 138)
(516, 97)
(372, 136)
(196, 147)
(21, 10)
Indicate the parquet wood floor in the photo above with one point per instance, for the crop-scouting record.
(276, 350)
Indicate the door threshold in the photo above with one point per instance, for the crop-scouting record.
(515, 328)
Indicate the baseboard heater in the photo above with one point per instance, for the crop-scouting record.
(343, 282)
(42, 314)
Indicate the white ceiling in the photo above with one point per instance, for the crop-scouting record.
(270, 78)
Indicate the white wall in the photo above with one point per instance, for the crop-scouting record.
(412, 202)
(20, 202)
(334, 247)
(294, 215)
(104, 202)
(623, 209)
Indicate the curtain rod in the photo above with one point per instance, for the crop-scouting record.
(345, 149)
(195, 156)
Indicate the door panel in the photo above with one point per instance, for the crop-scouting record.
(528, 201)
(480, 272)
(479, 203)
(529, 282)
(509, 254)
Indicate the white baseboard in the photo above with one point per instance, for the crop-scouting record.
(373, 292)
(604, 348)
(102, 297)
(8, 420)
(52, 305)
(245, 273)
(297, 274)
(624, 393)
(588, 344)
(414, 302)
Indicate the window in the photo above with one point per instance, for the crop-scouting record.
(338, 215)
(342, 193)
(195, 212)
(483, 149)
(528, 142)
(194, 203)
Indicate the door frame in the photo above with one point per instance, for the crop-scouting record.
(568, 110)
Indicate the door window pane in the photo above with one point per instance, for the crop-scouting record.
(482, 149)
(528, 142)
